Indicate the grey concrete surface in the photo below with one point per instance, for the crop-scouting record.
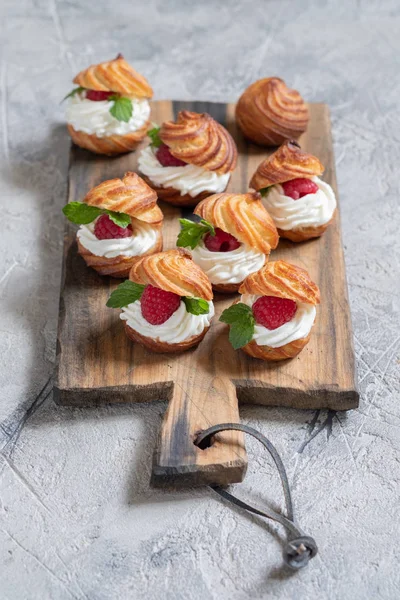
(78, 519)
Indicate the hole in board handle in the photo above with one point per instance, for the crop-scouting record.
(204, 444)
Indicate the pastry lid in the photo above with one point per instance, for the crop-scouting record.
(115, 76)
(268, 112)
(284, 280)
(172, 271)
(243, 216)
(199, 140)
(288, 162)
(129, 195)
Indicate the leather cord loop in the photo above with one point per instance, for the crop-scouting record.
(300, 548)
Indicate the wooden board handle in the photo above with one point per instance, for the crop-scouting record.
(177, 459)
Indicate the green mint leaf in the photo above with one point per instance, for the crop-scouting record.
(236, 312)
(241, 320)
(155, 137)
(265, 191)
(126, 293)
(77, 90)
(191, 233)
(120, 219)
(122, 108)
(241, 334)
(81, 213)
(196, 306)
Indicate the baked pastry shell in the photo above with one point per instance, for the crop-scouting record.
(267, 353)
(111, 145)
(305, 233)
(226, 288)
(174, 197)
(198, 139)
(164, 347)
(269, 113)
(119, 266)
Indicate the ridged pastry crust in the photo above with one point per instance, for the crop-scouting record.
(130, 195)
(111, 145)
(274, 354)
(268, 112)
(284, 280)
(288, 162)
(174, 197)
(243, 216)
(172, 271)
(158, 346)
(305, 233)
(199, 140)
(119, 266)
(115, 76)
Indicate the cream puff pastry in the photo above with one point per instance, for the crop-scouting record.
(232, 240)
(119, 221)
(109, 111)
(300, 203)
(275, 314)
(268, 112)
(188, 159)
(167, 302)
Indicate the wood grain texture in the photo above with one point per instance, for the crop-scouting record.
(98, 363)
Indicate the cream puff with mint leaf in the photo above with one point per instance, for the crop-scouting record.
(188, 159)
(119, 221)
(166, 303)
(300, 202)
(275, 314)
(108, 113)
(233, 239)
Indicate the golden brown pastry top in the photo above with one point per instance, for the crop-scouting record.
(115, 76)
(268, 112)
(172, 271)
(288, 162)
(284, 280)
(243, 216)
(130, 195)
(198, 139)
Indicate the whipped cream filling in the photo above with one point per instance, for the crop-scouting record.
(95, 118)
(228, 267)
(297, 328)
(311, 210)
(189, 179)
(143, 239)
(181, 325)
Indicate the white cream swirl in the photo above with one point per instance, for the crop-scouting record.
(181, 326)
(95, 118)
(311, 210)
(143, 239)
(189, 179)
(228, 267)
(296, 329)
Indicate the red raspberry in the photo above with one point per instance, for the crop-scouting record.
(297, 188)
(105, 229)
(97, 96)
(157, 305)
(165, 157)
(272, 312)
(221, 241)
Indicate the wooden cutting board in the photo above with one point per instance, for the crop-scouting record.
(97, 363)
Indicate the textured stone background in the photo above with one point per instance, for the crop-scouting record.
(77, 517)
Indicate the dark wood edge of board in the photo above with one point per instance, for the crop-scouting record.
(196, 474)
